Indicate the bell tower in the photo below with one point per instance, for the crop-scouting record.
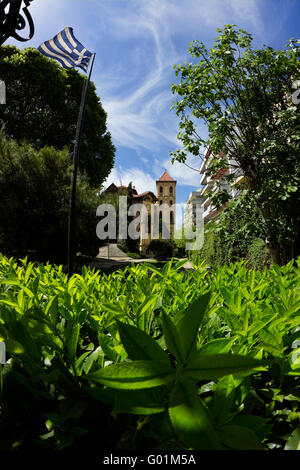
(166, 194)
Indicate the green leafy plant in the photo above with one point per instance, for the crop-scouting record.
(144, 349)
(150, 367)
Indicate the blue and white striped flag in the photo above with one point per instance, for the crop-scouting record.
(65, 48)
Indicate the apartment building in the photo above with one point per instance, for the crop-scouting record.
(209, 183)
(193, 209)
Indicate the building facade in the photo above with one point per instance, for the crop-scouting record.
(193, 210)
(155, 208)
(209, 183)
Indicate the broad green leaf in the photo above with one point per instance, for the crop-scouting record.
(105, 395)
(28, 272)
(20, 334)
(154, 269)
(52, 309)
(217, 346)
(189, 325)
(144, 312)
(80, 361)
(213, 366)
(167, 268)
(260, 426)
(139, 345)
(111, 308)
(73, 341)
(293, 442)
(190, 418)
(223, 399)
(107, 344)
(90, 360)
(259, 325)
(295, 373)
(134, 375)
(239, 438)
(141, 402)
(172, 338)
(14, 347)
(179, 265)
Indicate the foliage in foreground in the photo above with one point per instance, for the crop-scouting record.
(166, 358)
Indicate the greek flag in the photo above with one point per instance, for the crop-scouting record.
(65, 48)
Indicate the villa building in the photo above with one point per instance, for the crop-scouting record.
(165, 197)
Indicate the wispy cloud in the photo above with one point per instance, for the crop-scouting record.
(137, 43)
(142, 181)
(141, 117)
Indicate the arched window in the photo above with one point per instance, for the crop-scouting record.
(161, 189)
(160, 202)
(171, 218)
(171, 189)
(171, 203)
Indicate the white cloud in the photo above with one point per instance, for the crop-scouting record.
(183, 174)
(141, 117)
(142, 181)
(135, 86)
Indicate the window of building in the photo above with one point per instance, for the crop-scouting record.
(160, 202)
(161, 189)
(149, 225)
(171, 218)
(171, 190)
(171, 202)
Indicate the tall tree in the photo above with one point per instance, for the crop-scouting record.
(42, 108)
(34, 203)
(243, 95)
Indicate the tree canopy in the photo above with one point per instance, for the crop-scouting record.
(42, 108)
(243, 96)
(34, 203)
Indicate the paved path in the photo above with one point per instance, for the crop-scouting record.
(111, 258)
(111, 252)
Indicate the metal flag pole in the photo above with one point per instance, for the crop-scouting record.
(79, 129)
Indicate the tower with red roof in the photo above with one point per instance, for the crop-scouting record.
(166, 194)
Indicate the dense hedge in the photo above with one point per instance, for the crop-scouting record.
(161, 249)
(149, 359)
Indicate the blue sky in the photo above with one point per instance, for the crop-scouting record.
(137, 43)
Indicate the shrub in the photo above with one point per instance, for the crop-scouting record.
(167, 359)
(229, 238)
(258, 254)
(161, 249)
(134, 255)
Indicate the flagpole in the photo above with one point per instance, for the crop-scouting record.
(79, 129)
